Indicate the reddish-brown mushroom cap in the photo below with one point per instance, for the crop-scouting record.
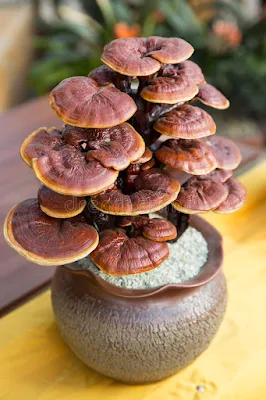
(82, 102)
(186, 122)
(110, 155)
(220, 175)
(117, 254)
(212, 97)
(40, 142)
(144, 56)
(192, 156)
(187, 70)
(156, 229)
(146, 156)
(200, 194)
(227, 153)
(154, 189)
(45, 240)
(123, 137)
(147, 165)
(235, 199)
(59, 206)
(169, 90)
(68, 172)
(104, 75)
(82, 170)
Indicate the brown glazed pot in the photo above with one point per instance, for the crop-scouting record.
(141, 336)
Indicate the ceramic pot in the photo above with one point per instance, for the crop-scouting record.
(139, 336)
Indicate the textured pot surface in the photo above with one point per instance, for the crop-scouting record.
(136, 340)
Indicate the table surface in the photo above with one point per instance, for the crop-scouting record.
(18, 278)
(36, 364)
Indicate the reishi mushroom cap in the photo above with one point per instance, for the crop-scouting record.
(59, 206)
(62, 163)
(186, 122)
(235, 199)
(130, 143)
(169, 90)
(40, 142)
(69, 173)
(188, 70)
(117, 254)
(192, 156)
(82, 102)
(144, 56)
(220, 175)
(45, 240)
(146, 156)
(212, 97)
(199, 195)
(227, 153)
(156, 229)
(154, 189)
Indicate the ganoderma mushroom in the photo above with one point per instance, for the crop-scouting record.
(139, 248)
(81, 161)
(153, 190)
(83, 102)
(144, 56)
(59, 206)
(186, 122)
(192, 156)
(121, 154)
(45, 240)
(212, 97)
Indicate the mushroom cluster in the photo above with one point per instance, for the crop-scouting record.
(132, 143)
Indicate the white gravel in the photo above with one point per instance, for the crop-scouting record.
(186, 258)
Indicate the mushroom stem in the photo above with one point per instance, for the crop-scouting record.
(144, 80)
(98, 219)
(179, 220)
(146, 115)
(131, 174)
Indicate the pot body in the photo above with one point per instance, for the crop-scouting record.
(136, 340)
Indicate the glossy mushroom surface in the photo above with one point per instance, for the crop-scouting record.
(45, 240)
(68, 172)
(59, 206)
(144, 56)
(126, 139)
(40, 142)
(210, 96)
(81, 161)
(188, 70)
(220, 175)
(235, 199)
(199, 195)
(169, 90)
(192, 156)
(227, 153)
(186, 122)
(146, 156)
(156, 229)
(82, 102)
(118, 254)
(153, 190)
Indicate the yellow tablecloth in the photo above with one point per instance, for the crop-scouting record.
(36, 364)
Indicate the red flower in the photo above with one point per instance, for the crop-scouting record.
(123, 30)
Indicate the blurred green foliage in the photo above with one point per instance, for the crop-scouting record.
(229, 47)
